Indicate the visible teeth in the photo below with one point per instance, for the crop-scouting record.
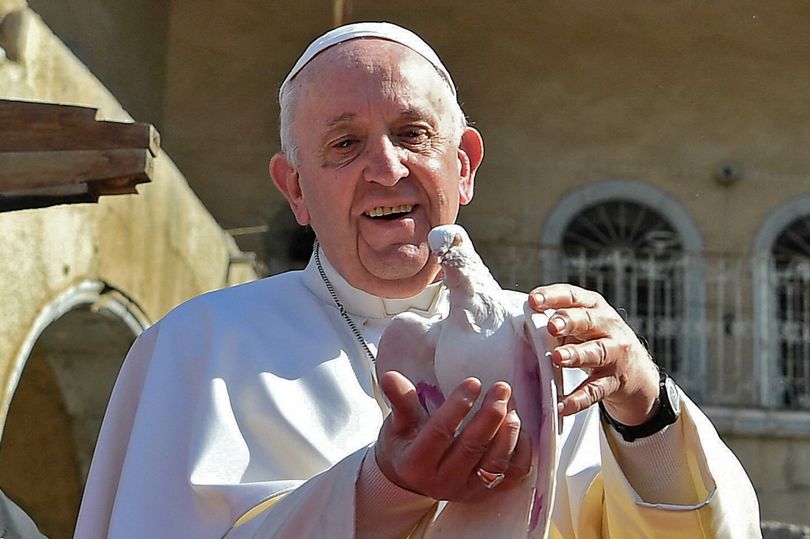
(381, 211)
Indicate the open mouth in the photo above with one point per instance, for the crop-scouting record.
(389, 213)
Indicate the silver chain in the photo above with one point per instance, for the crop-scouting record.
(339, 304)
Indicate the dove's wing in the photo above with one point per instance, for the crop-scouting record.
(535, 330)
(550, 380)
(493, 335)
(408, 346)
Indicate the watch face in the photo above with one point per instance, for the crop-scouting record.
(674, 397)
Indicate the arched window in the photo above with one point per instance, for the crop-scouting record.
(630, 254)
(64, 375)
(640, 249)
(791, 292)
(781, 251)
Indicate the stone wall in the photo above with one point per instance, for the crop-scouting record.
(779, 467)
(160, 246)
(564, 95)
(154, 250)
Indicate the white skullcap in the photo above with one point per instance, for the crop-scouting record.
(379, 30)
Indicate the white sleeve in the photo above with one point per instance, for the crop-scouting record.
(111, 446)
(321, 508)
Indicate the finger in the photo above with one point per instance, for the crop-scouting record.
(471, 444)
(521, 463)
(580, 322)
(406, 412)
(561, 296)
(588, 393)
(498, 456)
(439, 433)
(518, 468)
(594, 354)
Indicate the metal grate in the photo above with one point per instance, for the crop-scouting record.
(647, 288)
(791, 295)
(730, 335)
(630, 253)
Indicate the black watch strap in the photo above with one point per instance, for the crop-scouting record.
(667, 413)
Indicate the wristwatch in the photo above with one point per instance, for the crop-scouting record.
(669, 408)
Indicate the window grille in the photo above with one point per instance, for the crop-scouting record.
(631, 255)
(790, 271)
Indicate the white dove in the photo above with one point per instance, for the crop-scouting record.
(493, 335)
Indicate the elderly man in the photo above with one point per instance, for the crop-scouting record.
(255, 412)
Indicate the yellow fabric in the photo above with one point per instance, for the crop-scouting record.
(725, 508)
(255, 511)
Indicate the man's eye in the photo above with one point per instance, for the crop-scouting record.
(415, 134)
(343, 144)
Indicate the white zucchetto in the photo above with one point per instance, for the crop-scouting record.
(379, 30)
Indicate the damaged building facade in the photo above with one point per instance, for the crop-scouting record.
(653, 152)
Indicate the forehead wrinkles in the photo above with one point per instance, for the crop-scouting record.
(404, 74)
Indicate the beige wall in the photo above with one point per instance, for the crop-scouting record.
(156, 249)
(124, 43)
(565, 95)
(780, 469)
(160, 246)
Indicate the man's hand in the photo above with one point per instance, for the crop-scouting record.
(595, 338)
(426, 454)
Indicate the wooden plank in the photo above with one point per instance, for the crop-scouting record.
(116, 186)
(30, 126)
(21, 171)
(60, 154)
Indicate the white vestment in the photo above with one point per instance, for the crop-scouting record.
(249, 411)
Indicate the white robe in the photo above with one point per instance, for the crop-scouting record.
(249, 411)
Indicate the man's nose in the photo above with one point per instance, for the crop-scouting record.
(384, 163)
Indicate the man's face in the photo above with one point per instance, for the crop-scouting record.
(380, 162)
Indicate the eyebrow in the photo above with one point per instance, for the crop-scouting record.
(414, 112)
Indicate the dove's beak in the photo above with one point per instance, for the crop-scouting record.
(440, 254)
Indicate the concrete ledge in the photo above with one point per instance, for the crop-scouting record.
(760, 422)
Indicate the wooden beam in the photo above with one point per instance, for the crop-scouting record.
(32, 170)
(56, 154)
(29, 126)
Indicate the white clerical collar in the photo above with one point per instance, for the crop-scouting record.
(366, 305)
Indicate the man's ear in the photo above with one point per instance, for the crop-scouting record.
(285, 176)
(470, 155)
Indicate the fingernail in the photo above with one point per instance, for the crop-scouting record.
(471, 391)
(558, 323)
(539, 298)
(565, 356)
(502, 392)
(560, 407)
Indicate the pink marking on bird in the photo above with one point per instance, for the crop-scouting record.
(537, 506)
(430, 397)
